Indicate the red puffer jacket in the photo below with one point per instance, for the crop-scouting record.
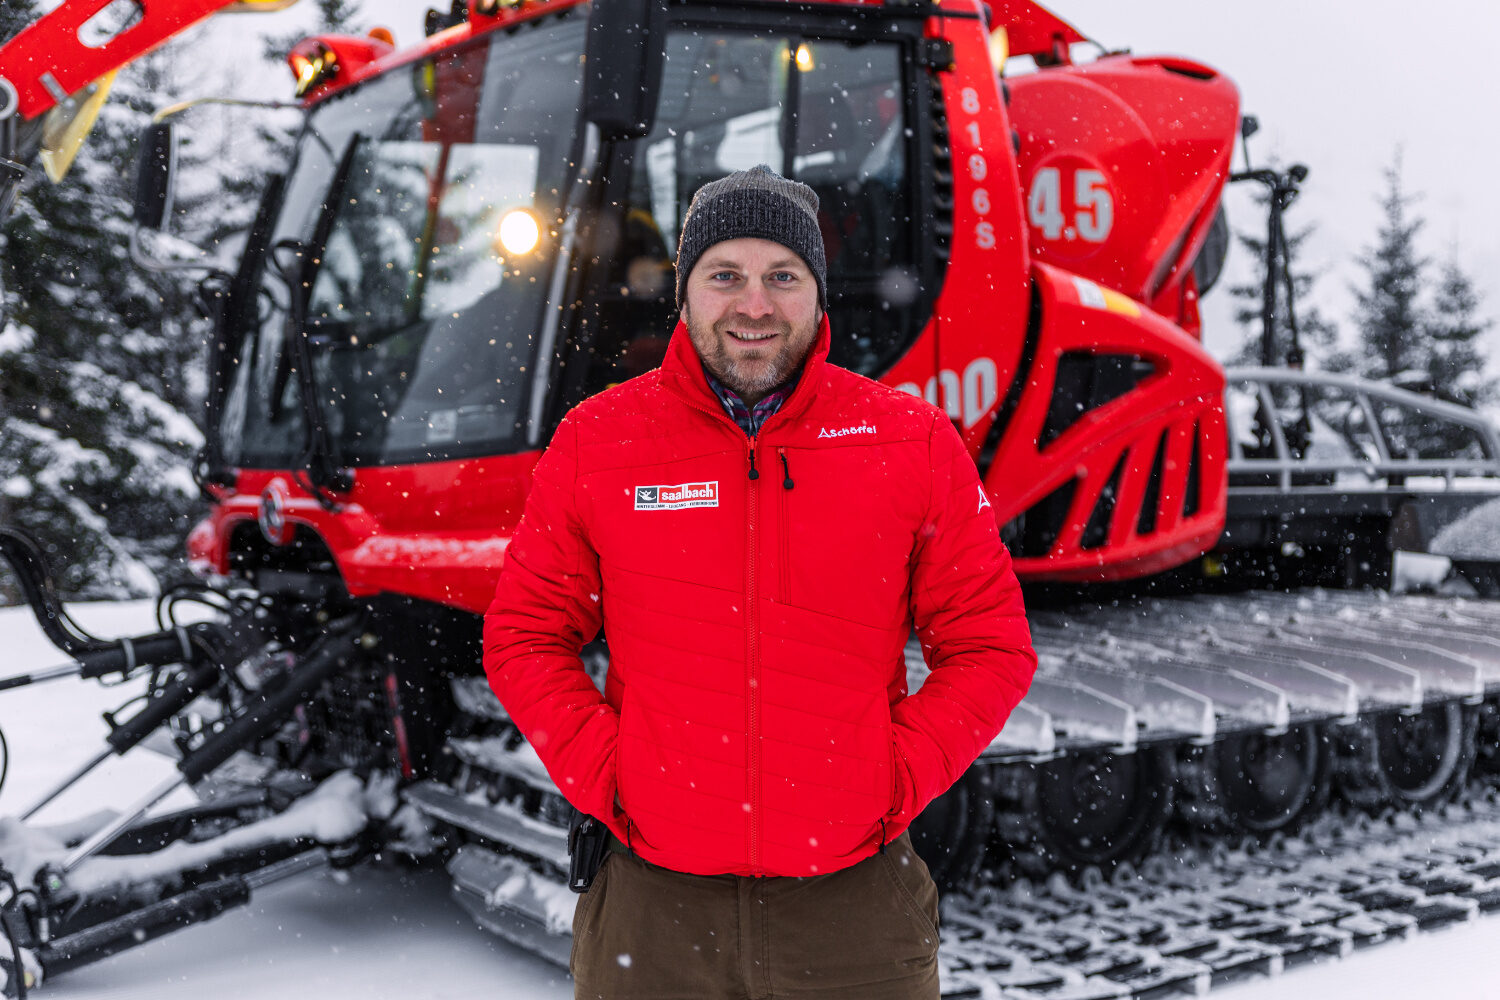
(755, 719)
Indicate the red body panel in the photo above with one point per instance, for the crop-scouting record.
(436, 532)
(353, 55)
(1031, 29)
(983, 313)
(979, 321)
(1182, 401)
(1122, 163)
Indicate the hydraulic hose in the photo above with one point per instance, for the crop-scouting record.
(95, 657)
(40, 590)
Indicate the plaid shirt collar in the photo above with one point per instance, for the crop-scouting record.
(750, 418)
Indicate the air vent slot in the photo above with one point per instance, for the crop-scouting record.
(1193, 70)
(1096, 531)
(1190, 495)
(1087, 381)
(1044, 520)
(1146, 522)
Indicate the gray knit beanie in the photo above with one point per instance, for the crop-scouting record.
(757, 202)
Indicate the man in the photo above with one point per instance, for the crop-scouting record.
(758, 532)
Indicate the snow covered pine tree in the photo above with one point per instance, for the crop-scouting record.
(98, 367)
(1456, 365)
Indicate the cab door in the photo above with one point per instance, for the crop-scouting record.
(835, 100)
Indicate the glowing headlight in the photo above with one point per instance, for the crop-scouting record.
(313, 67)
(519, 232)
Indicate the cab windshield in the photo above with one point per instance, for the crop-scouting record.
(409, 261)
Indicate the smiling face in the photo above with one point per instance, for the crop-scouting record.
(751, 309)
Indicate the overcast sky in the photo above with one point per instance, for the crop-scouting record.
(1338, 85)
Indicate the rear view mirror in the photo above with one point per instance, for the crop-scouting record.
(154, 170)
(622, 65)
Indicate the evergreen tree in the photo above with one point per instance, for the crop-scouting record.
(338, 15)
(15, 15)
(98, 369)
(1388, 313)
(1455, 363)
(335, 17)
(14, 338)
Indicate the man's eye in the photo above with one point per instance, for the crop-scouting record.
(783, 277)
(723, 276)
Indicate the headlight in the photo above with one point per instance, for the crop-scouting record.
(519, 232)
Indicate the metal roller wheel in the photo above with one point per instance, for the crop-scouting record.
(952, 833)
(1099, 810)
(1411, 761)
(1487, 742)
(1259, 784)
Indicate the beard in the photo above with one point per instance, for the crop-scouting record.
(750, 377)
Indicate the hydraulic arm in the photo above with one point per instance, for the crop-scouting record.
(82, 40)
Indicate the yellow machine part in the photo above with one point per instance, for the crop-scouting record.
(67, 126)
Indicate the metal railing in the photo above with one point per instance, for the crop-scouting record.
(1302, 430)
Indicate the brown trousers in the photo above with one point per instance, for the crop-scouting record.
(868, 932)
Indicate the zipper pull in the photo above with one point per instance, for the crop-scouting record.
(753, 473)
(787, 482)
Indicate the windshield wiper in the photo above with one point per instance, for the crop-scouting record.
(326, 475)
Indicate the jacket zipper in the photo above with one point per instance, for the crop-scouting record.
(752, 641)
(753, 523)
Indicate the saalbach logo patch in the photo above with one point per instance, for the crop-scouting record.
(677, 497)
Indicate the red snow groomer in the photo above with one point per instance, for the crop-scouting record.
(475, 233)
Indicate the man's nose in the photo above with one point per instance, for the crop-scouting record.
(754, 302)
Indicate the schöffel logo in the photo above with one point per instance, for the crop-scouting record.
(677, 497)
(824, 432)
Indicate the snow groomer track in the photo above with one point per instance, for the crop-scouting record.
(1184, 923)
(1135, 674)
(1259, 780)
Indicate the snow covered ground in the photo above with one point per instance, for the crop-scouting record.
(384, 933)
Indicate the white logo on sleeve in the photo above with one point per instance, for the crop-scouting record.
(677, 497)
(984, 501)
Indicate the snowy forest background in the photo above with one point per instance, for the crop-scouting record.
(102, 363)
